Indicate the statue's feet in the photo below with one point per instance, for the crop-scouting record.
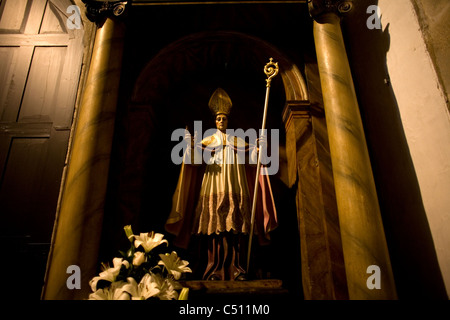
(214, 277)
(241, 277)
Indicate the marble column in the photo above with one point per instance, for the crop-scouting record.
(78, 225)
(362, 232)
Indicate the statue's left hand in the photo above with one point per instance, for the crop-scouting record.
(261, 142)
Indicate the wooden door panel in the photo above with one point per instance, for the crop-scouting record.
(14, 15)
(43, 84)
(8, 55)
(53, 22)
(40, 64)
(17, 196)
(15, 77)
(40, 67)
(30, 186)
(6, 59)
(34, 18)
(5, 143)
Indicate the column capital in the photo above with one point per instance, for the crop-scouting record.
(98, 10)
(319, 7)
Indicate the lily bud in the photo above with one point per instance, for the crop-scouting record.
(129, 232)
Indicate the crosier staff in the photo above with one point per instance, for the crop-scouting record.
(271, 70)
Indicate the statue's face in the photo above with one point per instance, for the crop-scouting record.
(221, 122)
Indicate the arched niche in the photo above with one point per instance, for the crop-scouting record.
(171, 92)
(174, 87)
(229, 53)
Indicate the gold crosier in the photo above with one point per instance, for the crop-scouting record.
(271, 70)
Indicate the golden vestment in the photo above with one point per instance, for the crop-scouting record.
(222, 201)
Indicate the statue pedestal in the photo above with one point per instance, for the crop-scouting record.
(205, 290)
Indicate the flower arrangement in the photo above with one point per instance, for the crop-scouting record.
(143, 272)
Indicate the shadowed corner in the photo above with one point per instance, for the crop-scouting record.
(412, 251)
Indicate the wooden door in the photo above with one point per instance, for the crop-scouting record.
(40, 63)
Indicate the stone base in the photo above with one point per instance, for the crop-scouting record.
(201, 290)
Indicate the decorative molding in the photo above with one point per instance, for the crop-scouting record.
(211, 2)
(98, 10)
(319, 7)
(295, 109)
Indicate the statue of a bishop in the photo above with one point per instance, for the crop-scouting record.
(214, 198)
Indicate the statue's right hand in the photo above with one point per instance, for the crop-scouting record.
(195, 136)
(187, 136)
(189, 139)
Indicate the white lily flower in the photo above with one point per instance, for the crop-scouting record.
(166, 287)
(148, 241)
(146, 288)
(109, 274)
(158, 285)
(114, 292)
(139, 258)
(175, 266)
